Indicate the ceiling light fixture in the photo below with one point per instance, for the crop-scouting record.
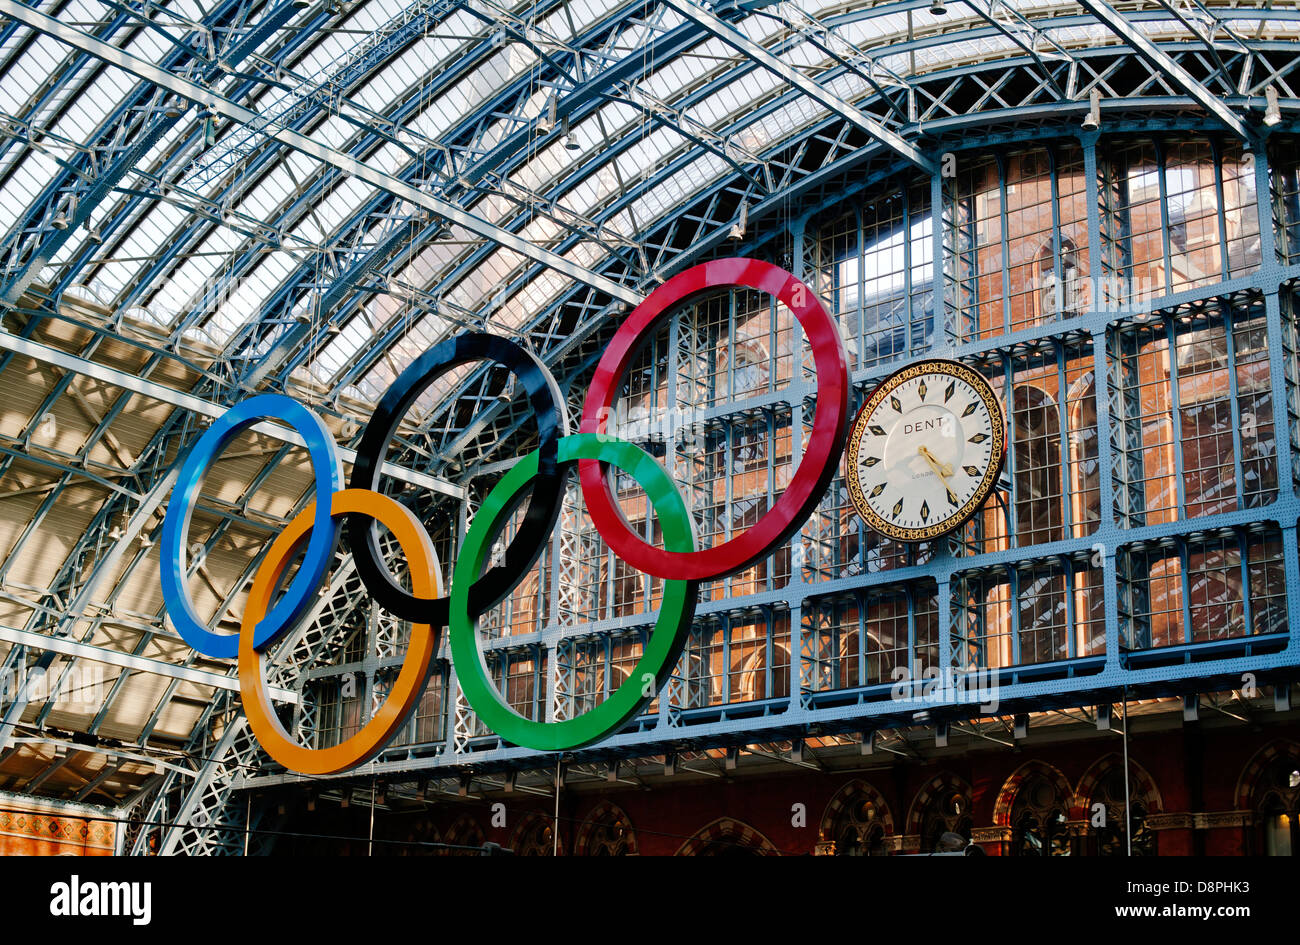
(549, 115)
(1092, 120)
(738, 228)
(1272, 110)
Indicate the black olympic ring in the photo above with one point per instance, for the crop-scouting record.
(543, 504)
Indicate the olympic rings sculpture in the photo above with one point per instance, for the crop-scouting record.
(429, 604)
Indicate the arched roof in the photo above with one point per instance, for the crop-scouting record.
(202, 199)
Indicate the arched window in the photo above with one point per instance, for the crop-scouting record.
(535, 836)
(754, 675)
(1038, 819)
(1036, 440)
(728, 837)
(856, 822)
(464, 833)
(948, 812)
(1278, 808)
(1120, 816)
(607, 831)
(1085, 478)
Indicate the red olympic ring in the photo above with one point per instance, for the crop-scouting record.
(819, 462)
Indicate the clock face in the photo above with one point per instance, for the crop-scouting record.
(926, 450)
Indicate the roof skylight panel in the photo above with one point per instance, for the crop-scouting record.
(757, 84)
(776, 125)
(670, 78)
(713, 110)
(585, 254)
(150, 237)
(589, 193)
(428, 264)
(1262, 27)
(391, 158)
(326, 56)
(478, 285)
(41, 60)
(87, 110)
(161, 217)
(401, 74)
(240, 302)
(176, 295)
(761, 29)
(848, 86)
(544, 167)
(19, 192)
(269, 194)
(332, 358)
(542, 231)
(378, 379)
(646, 155)
(802, 56)
(343, 198)
(113, 276)
(869, 31)
(147, 44)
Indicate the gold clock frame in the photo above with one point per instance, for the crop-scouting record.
(984, 390)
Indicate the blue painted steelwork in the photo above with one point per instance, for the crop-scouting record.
(849, 171)
(75, 194)
(1079, 681)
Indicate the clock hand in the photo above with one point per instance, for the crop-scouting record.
(939, 471)
(943, 470)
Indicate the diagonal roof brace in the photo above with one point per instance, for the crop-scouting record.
(186, 401)
(1149, 51)
(67, 647)
(733, 37)
(372, 175)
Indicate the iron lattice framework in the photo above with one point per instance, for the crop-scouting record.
(205, 201)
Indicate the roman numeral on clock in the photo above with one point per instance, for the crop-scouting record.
(876, 491)
(970, 408)
(979, 438)
(870, 461)
(897, 509)
(925, 511)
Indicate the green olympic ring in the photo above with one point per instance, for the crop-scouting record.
(662, 649)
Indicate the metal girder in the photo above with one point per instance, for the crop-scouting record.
(327, 88)
(111, 752)
(60, 760)
(102, 654)
(1012, 24)
(733, 37)
(1136, 39)
(198, 405)
(314, 149)
(71, 199)
(110, 768)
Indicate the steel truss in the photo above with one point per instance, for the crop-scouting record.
(1041, 82)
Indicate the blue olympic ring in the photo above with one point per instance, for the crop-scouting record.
(319, 556)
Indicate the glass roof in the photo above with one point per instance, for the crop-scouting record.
(217, 221)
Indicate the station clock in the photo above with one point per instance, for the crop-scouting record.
(926, 450)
